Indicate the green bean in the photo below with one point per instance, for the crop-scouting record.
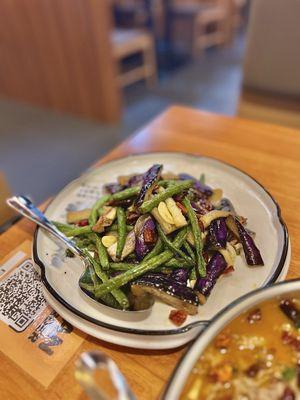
(126, 194)
(114, 227)
(108, 298)
(62, 227)
(201, 265)
(78, 230)
(96, 209)
(102, 252)
(121, 266)
(189, 250)
(87, 286)
(202, 179)
(193, 274)
(117, 293)
(168, 182)
(121, 216)
(85, 243)
(178, 263)
(164, 270)
(93, 275)
(141, 268)
(66, 229)
(158, 248)
(147, 206)
(171, 246)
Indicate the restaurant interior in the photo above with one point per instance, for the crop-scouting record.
(110, 111)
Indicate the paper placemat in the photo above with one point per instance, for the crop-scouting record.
(32, 334)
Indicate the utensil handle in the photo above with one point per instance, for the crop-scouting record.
(25, 207)
(86, 366)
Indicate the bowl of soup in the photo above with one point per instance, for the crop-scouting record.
(250, 351)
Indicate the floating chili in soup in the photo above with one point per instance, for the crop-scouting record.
(255, 357)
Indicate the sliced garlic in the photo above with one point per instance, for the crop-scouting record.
(176, 213)
(166, 227)
(112, 213)
(165, 213)
(108, 241)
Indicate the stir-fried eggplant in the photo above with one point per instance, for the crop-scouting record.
(252, 254)
(214, 269)
(114, 188)
(169, 291)
(149, 181)
(218, 233)
(145, 235)
(135, 180)
(180, 275)
(155, 234)
(226, 205)
(206, 190)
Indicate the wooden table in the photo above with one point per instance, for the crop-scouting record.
(271, 154)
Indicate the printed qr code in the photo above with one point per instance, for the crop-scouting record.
(21, 297)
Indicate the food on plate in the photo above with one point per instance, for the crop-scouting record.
(169, 235)
(255, 357)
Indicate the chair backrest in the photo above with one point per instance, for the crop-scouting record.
(272, 59)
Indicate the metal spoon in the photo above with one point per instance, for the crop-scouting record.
(92, 361)
(25, 207)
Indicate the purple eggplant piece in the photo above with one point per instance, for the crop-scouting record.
(180, 275)
(169, 291)
(198, 185)
(252, 254)
(145, 236)
(149, 180)
(135, 180)
(122, 203)
(214, 269)
(226, 205)
(114, 187)
(218, 233)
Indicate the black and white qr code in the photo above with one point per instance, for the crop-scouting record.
(21, 297)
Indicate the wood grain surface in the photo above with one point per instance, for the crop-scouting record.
(57, 54)
(269, 153)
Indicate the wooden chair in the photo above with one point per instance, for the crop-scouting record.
(6, 213)
(208, 22)
(271, 83)
(128, 42)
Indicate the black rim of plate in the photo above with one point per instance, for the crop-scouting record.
(163, 332)
(219, 315)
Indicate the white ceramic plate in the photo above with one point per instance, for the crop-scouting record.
(186, 364)
(60, 274)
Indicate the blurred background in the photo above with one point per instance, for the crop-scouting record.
(78, 76)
